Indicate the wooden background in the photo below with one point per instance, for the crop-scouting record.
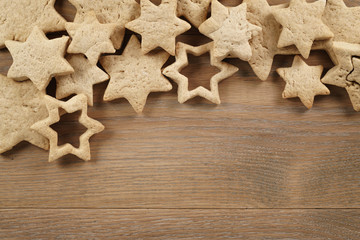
(255, 167)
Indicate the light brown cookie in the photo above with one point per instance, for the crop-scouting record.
(82, 80)
(343, 21)
(173, 72)
(303, 81)
(355, 74)
(119, 12)
(90, 37)
(134, 75)
(302, 24)
(230, 30)
(38, 59)
(19, 17)
(343, 63)
(158, 26)
(77, 103)
(193, 10)
(21, 105)
(353, 89)
(264, 45)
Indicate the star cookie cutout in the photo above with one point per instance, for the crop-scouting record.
(230, 30)
(90, 37)
(173, 72)
(19, 17)
(119, 12)
(21, 105)
(303, 81)
(193, 10)
(134, 75)
(82, 80)
(77, 103)
(342, 21)
(302, 24)
(158, 26)
(38, 59)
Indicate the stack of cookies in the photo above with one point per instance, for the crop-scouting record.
(253, 31)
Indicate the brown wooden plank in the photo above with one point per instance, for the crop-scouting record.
(254, 150)
(179, 224)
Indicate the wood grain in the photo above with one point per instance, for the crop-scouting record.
(179, 224)
(254, 167)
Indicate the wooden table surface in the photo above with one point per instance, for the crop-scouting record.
(255, 167)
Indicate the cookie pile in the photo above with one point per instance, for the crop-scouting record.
(253, 31)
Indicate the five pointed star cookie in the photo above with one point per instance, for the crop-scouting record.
(77, 103)
(38, 59)
(230, 30)
(158, 26)
(173, 72)
(21, 105)
(119, 12)
(303, 81)
(193, 10)
(82, 80)
(302, 24)
(343, 52)
(342, 21)
(90, 37)
(19, 17)
(134, 75)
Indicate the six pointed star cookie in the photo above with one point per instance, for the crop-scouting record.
(19, 17)
(134, 75)
(158, 26)
(90, 37)
(77, 103)
(82, 80)
(343, 21)
(193, 10)
(264, 45)
(230, 30)
(173, 72)
(355, 75)
(119, 12)
(38, 59)
(303, 81)
(21, 105)
(302, 24)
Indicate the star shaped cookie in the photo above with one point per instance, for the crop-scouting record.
(119, 12)
(82, 80)
(158, 26)
(264, 45)
(193, 10)
(342, 21)
(38, 59)
(355, 75)
(303, 81)
(230, 30)
(90, 37)
(173, 72)
(353, 89)
(343, 63)
(77, 103)
(21, 105)
(19, 17)
(302, 24)
(134, 75)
